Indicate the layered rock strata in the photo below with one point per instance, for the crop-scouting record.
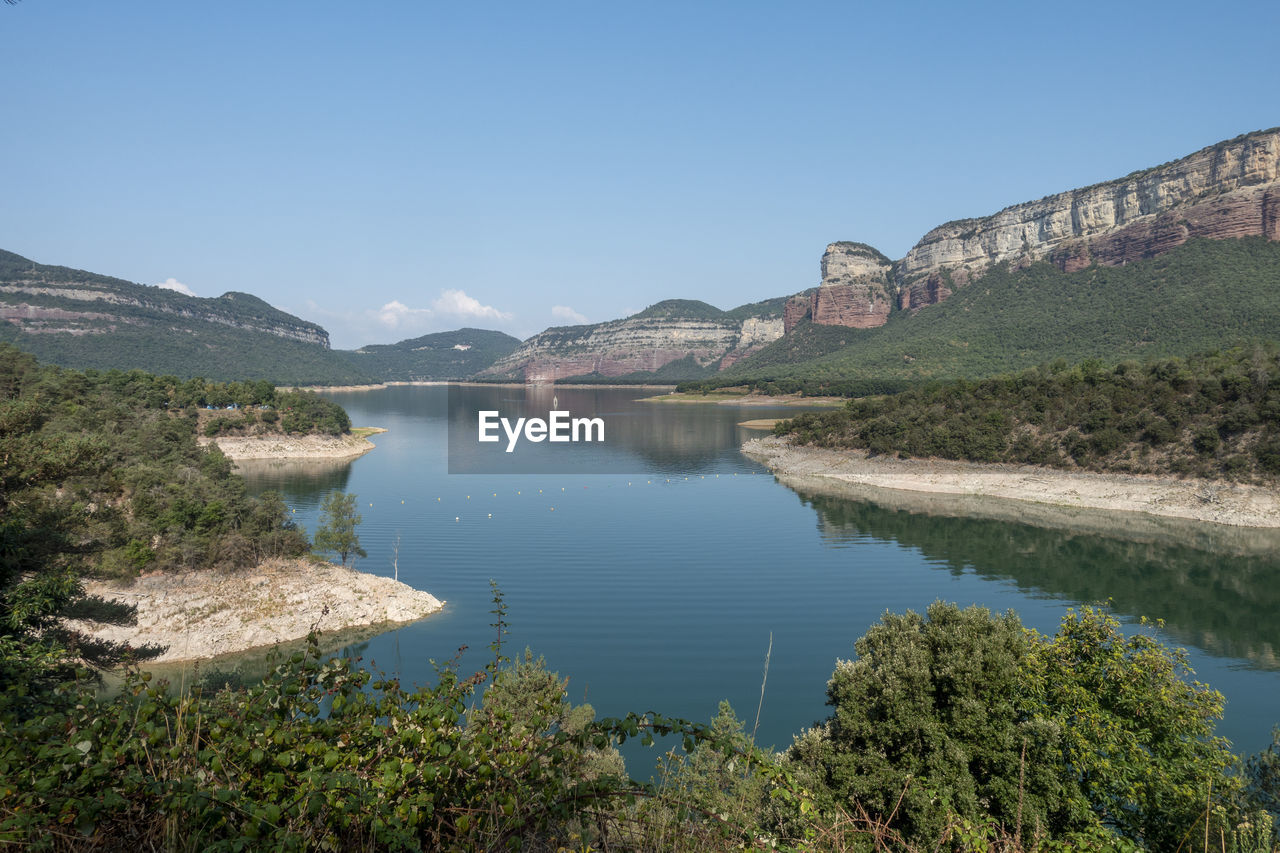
(1227, 190)
(635, 344)
(855, 290)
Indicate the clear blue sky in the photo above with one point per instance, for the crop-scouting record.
(388, 169)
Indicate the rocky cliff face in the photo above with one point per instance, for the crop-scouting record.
(855, 290)
(638, 343)
(38, 303)
(1227, 190)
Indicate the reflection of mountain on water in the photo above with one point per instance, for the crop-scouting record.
(1223, 603)
(298, 478)
(639, 436)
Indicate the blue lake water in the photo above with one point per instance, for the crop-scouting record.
(660, 589)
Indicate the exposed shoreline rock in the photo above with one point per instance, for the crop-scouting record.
(207, 614)
(1221, 503)
(292, 446)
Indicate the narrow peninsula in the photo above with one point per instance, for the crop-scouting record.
(1196, 439)
(199, 615)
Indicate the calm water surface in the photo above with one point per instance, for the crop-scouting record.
(660, 590)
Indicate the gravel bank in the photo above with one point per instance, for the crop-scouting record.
(201, 615)
(1197, 500)
(292, 447)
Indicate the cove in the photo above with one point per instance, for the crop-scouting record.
(660, 590)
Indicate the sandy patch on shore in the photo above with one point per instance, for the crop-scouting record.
(201, 615)
(731, 399)
(291, 446)
(760, 423)
(1197, 500)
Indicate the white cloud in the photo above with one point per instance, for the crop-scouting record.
(395, 314)
(458, 304)
(564, 312)
(174, 284)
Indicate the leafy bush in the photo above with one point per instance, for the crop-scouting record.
(324, 755)
(961, 713)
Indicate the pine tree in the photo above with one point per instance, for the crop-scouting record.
(337, 531)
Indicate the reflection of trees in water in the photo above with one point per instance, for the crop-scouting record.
(1224, 604)
(296, 479)
(248, 668)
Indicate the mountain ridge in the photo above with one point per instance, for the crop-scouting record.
(1227, 192)
(665, 333)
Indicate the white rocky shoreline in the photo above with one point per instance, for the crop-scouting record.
(206, 614)
(237, 447)
(1222, 503)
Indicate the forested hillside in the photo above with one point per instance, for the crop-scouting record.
(1205, 294)
(1215, 415)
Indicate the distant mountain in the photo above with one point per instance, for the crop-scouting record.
(1166, 261)
(1225, 191)
(444, 355)
(85, 320)
(672, 340)
(1203, 295)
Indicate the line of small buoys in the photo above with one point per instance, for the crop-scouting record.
(562, 488)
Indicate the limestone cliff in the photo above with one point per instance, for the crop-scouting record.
(855, 290)
(672, 331)
(1231, 189)
(81, 319)
(41, 302)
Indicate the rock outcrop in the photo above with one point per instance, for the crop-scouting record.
(708, 338)
(855, 290)
(237, 310)
(1227, 190)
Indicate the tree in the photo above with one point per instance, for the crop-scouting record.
(337, 532)
(964, 713)
(1262, 776)
(927, 723)
(1137, 746)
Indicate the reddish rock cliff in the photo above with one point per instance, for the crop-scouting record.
(1227, 190)
(855, 290)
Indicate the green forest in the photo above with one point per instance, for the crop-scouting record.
(1214, 415)
(955, 729)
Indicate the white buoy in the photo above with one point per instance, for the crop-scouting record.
(456, 518)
